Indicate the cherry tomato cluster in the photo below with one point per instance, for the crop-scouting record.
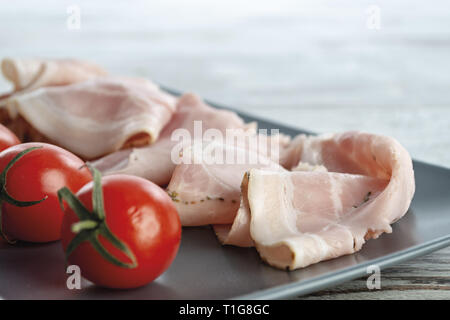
(122, 231)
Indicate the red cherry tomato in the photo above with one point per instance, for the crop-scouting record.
(142, 216)
(7, 138)
(38, 174)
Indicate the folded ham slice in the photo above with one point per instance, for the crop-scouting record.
(95, 117)
(35, 73)
(207, 190)
(298, 218)
(154, 162)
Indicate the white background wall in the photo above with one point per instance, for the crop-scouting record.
(311, 64)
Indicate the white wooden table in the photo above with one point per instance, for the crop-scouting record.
(319, 65)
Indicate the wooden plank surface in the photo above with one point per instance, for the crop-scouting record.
(311, 64)
(426, 277)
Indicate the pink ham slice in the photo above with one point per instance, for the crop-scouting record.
(207, 191)
(295, 219)
(154, 162)
(98, 116)
(28, 74)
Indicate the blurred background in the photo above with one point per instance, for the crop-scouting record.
(380, 66)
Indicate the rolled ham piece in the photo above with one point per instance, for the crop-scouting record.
(28, 74)
(155, 162)
(208, 192)
(298, 218)
(94, 117)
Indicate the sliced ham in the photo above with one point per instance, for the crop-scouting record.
(96, 117)
(154, 162)
(28, 74)
(206, 190)
(298, 218)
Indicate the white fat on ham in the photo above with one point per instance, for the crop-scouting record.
(304, 166)
(154, 162)
(206, 189)
(98, 116)
(298, 218)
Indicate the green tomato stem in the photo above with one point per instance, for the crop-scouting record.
(83, 225)
(6, 198)
(93, 223)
